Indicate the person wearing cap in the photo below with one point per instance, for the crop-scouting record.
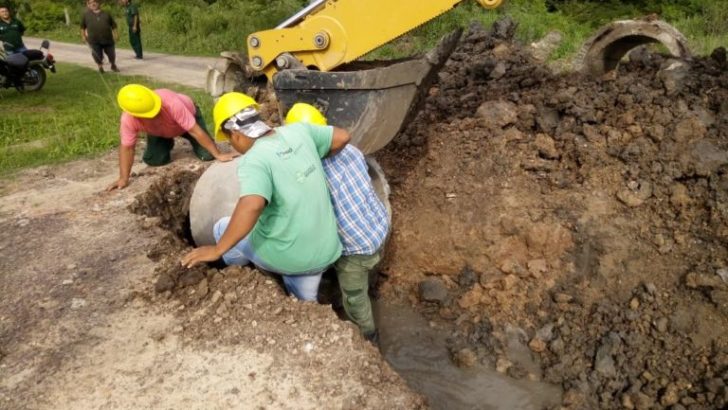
(163, 115)
(361, 219)
(283, 222)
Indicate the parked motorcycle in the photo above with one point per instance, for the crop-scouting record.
(26, 71)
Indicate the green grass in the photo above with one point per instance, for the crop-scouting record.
(192, 27)
(576, 21)
(75, 115)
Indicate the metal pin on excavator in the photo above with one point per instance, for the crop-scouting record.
(299, 57)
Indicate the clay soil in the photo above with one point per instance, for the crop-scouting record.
(583, 218)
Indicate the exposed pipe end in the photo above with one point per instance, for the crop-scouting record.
(603, 51)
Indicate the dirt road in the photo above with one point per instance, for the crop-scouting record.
(189, 71)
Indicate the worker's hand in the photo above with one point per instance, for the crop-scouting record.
(133, 29)
(121, 183)
(225, 157)
(201, 254)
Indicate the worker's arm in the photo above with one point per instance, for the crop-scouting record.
(116, 34)
(245, 215)
(339, 140)
(84, 35)
(201, 136)
(135, 24)
(126, 160)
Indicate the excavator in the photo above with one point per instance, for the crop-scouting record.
(311, 57)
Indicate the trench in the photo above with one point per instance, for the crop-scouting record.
(415, 348)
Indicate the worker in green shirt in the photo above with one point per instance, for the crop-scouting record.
(284, 221)
(11, 32)
(135, 32)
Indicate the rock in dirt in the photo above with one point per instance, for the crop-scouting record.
(497, 114)
(164, 283)
(433, 290)
(543, 48)
(537, 345)
(546, 147)
(604, 360)
(191, 277)
(673, 74)
(635, 196)
(465, 358)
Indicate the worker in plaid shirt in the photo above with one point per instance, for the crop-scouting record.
(361, 220)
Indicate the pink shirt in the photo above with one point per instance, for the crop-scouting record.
(176, 117)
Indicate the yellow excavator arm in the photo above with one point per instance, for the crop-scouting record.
(329, 33)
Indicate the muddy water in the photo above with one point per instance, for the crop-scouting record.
(419, 354)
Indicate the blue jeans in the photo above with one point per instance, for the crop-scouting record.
(303, 286)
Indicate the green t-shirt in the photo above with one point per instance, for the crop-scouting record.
(131, 11)
(296, 232)
(12, 34)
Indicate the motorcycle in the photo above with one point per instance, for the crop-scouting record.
(26, 71)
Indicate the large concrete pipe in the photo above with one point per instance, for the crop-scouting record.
(216, 194)
(603, 51)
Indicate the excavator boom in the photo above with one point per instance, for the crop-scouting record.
(306, 60)
(330, 33)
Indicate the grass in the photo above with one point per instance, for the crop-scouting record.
(576, 21)
(74, 116)
(191, 27)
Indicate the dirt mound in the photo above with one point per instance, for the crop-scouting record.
(591, 214)
(230, 306)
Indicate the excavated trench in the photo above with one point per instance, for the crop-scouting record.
(558, 240)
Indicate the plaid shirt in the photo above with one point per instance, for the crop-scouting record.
(360, 215)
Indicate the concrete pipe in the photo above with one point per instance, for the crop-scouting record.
(603, 52)
(216, 194)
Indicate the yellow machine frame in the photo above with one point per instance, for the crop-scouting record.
(341, 31)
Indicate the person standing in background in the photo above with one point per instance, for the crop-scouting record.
(135, 33)
(98, 30)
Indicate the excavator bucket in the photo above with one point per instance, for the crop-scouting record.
(372, 100)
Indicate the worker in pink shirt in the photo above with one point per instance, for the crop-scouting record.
(163, 115)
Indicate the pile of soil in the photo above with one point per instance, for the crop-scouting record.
(218, 305)
(588, 214)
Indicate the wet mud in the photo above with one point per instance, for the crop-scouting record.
(577, 222)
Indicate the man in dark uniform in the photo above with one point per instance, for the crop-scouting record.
(11, 32)
(98, 29)
(135, 33)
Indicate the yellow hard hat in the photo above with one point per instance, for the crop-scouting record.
(227, 106)
(302, 112)
(139, 101)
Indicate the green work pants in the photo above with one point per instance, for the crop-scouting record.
(159, 148)
(353, 274)
(135, 39)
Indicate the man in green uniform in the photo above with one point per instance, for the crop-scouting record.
(11, 32)
(135, 33)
